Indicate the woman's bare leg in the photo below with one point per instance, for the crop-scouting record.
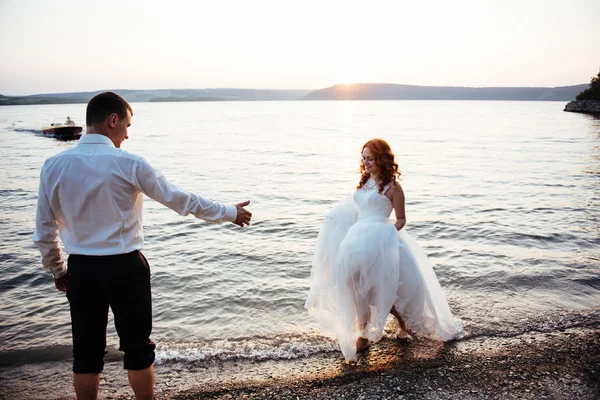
(401, 322)
(364, 315)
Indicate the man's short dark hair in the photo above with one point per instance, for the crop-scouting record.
(102, 105)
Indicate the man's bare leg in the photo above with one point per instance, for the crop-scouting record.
(142, 382)
(86, 386)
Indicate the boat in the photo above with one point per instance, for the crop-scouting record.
(67, 130)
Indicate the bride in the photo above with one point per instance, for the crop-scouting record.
(366, 266)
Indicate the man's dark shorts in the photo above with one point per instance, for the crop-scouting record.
(122, 282)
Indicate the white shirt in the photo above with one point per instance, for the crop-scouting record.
(92, 195)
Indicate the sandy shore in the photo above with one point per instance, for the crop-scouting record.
(559, 365)
(563, 364)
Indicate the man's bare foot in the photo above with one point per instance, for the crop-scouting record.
(362, 344)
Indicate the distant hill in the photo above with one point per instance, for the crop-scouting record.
(387, 91)
(167, 95)
(68, 98)
(355, 91)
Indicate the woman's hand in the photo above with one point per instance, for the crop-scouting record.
(399, 224)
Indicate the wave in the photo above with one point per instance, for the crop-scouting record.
(35, 355)
(36, 131)
(278, 347)
(287, 346)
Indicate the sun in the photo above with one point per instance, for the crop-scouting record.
(348, 78)
(354, 71)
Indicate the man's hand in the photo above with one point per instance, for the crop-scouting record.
(61, 283)
(243, 216)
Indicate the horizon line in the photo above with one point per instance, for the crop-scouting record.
(308, 90)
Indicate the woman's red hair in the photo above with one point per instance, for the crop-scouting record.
(384, 159)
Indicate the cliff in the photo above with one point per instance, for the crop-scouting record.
(584, 106)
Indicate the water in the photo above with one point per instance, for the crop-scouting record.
(503, 196)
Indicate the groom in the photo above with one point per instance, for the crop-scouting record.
(92, 194)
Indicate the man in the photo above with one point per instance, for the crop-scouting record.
(92, 195)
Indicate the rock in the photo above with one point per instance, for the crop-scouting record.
(584, 106)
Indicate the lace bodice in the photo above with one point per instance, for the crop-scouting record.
(371, 203)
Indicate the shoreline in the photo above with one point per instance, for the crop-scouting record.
(561, 364)
(558, 365)
(591, 107)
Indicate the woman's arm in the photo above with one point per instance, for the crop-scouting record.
(396, 195)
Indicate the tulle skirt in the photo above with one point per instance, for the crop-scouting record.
(362, 268)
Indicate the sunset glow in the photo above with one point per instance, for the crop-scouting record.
(280, 45)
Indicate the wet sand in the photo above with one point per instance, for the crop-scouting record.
(564, 364)
(559, 365)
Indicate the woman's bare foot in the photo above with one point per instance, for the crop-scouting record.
(403, 334)
(362, 344)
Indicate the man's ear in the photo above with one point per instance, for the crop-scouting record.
(112, 120)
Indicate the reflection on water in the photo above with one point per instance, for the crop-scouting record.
(503, 196)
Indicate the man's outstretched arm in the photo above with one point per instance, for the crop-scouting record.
(156, 186)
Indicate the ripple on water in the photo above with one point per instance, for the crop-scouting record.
(508, 213)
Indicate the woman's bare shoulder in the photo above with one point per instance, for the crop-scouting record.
(396, 187)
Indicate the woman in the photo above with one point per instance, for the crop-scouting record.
(367, 267)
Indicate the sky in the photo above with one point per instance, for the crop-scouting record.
(51, 46)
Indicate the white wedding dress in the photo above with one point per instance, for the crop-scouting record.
(363, 266)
